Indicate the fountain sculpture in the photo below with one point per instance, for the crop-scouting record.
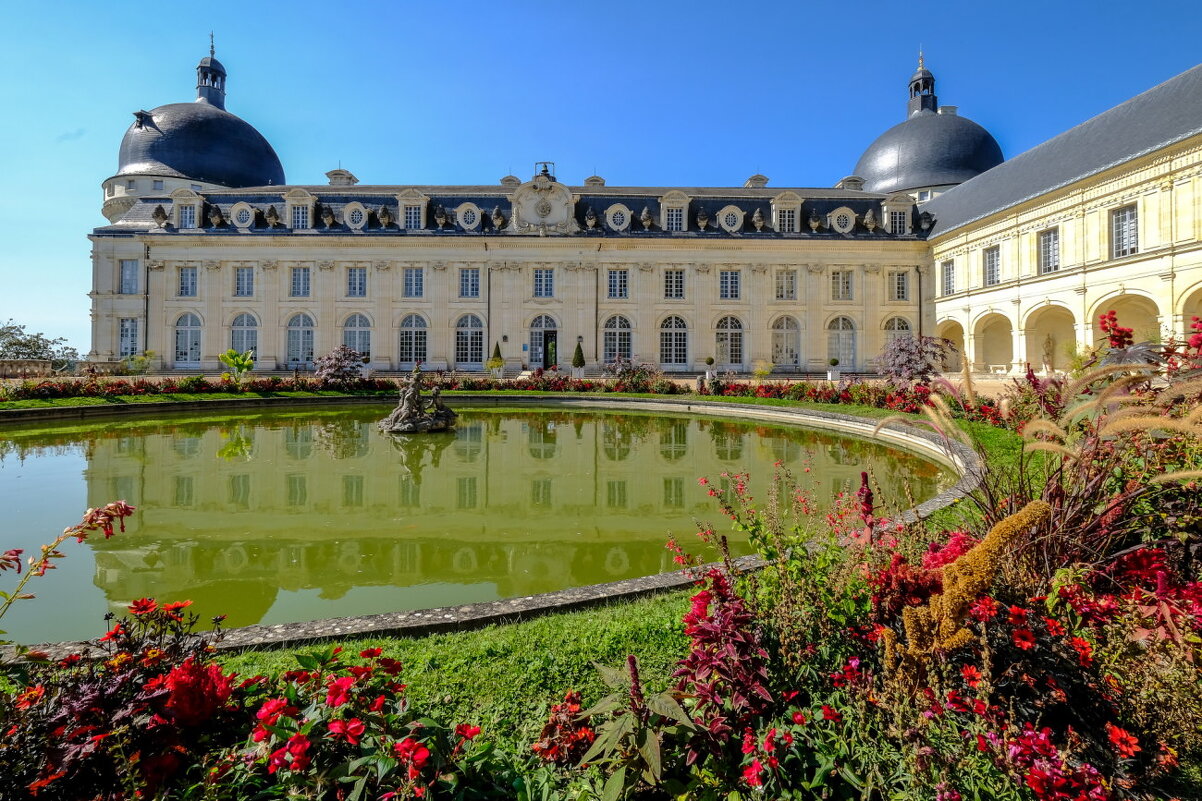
(415, 415)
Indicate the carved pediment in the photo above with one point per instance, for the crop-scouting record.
(542, 207)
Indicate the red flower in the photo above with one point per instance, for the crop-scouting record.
(753, 773)
(1084, 651)
(412, 753)
(982, 609)
(830, 714)
(173, 608)
(143, 606)
(1024, 639)
(799, 718)
(338, 690)
(1018, 616)
(349, 730)
(1122, 740)
(113, 633)
(1055, 627)
(467, 732)
(971, 675)
(30, 697)
(197, 692)
(271, 710)
(371, 653)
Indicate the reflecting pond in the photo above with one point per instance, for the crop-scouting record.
(303, 514)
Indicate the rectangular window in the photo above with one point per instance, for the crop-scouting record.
(469, 282)
(540, 493)
(898, 220)
(728, 284)
(949, 277)
(674, 220)
(131, 185)
(415, 282)
(674, 284)
(841, 285)
(184, 491)
(129, 277)
(239, 490)
(108, 190)
(128, 332)
(991, 263)
(300, 217)
(298, 489)
(899, 286)
(786, 285)
(674, 493)
(356, 282)
(619, 286)
(413, 217)
(786, 221)
(300, 282)
(615, 494)
(465, 496)
(1049, 251)
(352, 491)
(158, 185)
(187, 282)
(244, 282)
(187, 216)
(544, 283)
(410, 492)
(1124, 227)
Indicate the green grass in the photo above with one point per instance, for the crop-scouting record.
(167, 400)
(505, 678)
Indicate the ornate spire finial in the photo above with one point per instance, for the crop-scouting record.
(920, 64)
(213, 52)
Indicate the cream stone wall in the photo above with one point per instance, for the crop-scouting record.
(507, 306)
(1039, 319)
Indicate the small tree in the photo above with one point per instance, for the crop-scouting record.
(239, 364)
(340, 365)
(495, 362)
(909, 360)
(578, 357)
(16, 343)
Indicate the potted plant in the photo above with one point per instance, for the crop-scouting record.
(832, 374)
(709, 368)
(578, 362)
(495, 364)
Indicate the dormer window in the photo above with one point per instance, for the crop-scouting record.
(187, 216)
(673, 211)
(300, 217)
(674, 219)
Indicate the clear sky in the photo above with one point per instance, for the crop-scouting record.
(658, 93)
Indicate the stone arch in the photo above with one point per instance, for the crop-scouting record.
(952, 331)
(1051, 336)
(1191, 306)
(993, 343)
(1134, 310)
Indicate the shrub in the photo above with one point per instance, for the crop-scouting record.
(340, 366)
(913, 359)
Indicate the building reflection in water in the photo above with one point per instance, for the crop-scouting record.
(272, 517)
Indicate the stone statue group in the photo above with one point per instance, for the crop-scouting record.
(416, 415)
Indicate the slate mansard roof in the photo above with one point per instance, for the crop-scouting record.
(814, 201)
(1157, 118)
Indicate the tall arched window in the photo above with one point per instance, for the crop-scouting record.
(300, 341)
(469, 343)
(413, 341)
(187, 341)
(786, 343)
(896, 328)
(674, 342)
(728, 343)
(356, 334)
(616, 339)
(544, 346)
(244, 333)
(841, 342)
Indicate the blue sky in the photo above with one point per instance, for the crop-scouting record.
(653, 93)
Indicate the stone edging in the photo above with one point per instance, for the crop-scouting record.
(420, 622)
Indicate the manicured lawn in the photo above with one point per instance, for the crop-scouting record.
(504, 678)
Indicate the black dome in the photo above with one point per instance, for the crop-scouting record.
(928, 149)
(201, 142)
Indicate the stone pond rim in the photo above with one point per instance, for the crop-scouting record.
(953, 455)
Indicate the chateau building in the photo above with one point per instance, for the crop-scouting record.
(209, 248)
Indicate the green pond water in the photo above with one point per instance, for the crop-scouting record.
(302, 514)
